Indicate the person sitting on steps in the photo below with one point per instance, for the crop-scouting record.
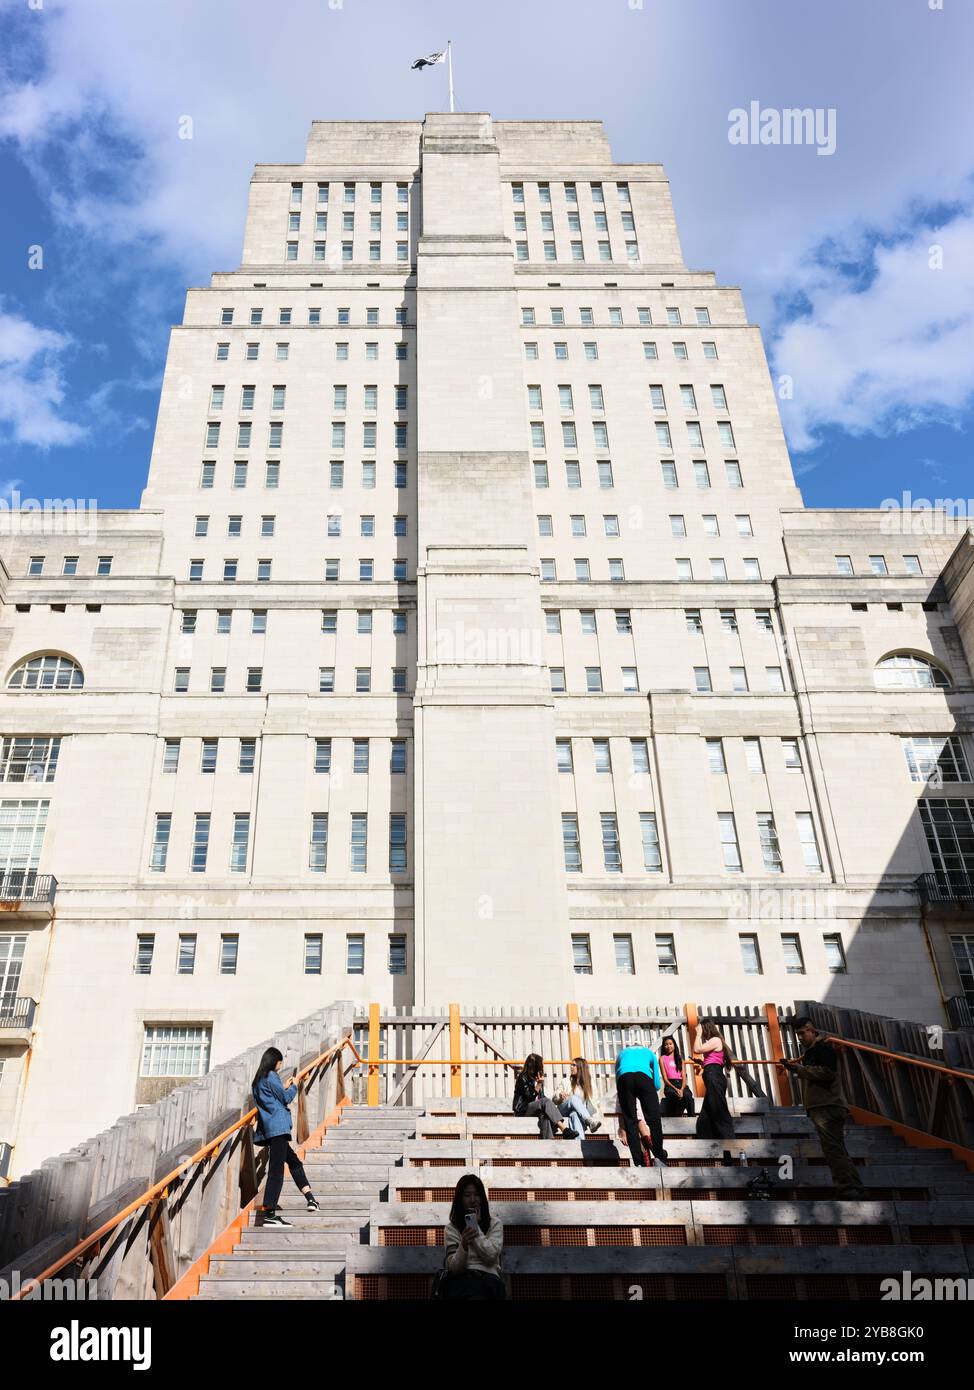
(530, 1099)
(577, 1103)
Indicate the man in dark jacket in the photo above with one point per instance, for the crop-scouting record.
(818, 1072)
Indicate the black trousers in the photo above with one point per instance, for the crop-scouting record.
(633, 1086)
(714, 1120)
(279, 1153)
(474, 1284)
(673, 1106)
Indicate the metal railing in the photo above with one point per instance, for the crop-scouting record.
(136, 1206)
(947, 886)
(26, 886)
(411, 1058)
(17, 1012)
(917, 1076)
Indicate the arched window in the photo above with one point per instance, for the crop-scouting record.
(907, 671)
(49, 672)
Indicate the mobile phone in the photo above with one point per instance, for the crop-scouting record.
(470, 1220)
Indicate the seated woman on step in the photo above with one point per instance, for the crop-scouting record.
(530, 1099)
(474, 1240)
(577, 1102)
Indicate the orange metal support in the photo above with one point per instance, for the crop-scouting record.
(692, 1024)
(456, 1068)
(782, 1079)
(372, 1095)
(574, 1031)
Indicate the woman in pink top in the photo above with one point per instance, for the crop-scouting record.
(714, 1120)
(677, 1095)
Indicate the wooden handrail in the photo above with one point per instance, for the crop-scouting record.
(161, 1188)
(901, 1057)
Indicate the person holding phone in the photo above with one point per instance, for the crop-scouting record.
(274, 1130)
(530, 1099)
(474, 1240)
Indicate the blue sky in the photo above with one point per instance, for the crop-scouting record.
(859, 265)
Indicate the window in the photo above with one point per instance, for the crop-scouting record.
(630, 680)
(591, 351)
(715, 755)
(397, 843)
(750, 954)
(170, 758)
(246, 755)
(569, 835)
(588, 622)
(710, 352)
(363, 680)
(738, 677)
(834, 953)
(582, 573)
(208, 752)
(552, 620)
(912, 564)
(272, 474)
(791, 754)
(175, 1049)
(684, 569)
(557, 680)
(701, 474)
(605, 473)
(207, 475)
(160, 842)
(776, 682)
(318, 851)
(649, 352)
(359, 843)
(688, 399)
(312, 953)
(768, 838)
(573, 474)
(623, 620)
(397, 756)
(46, 673)
(905, 671)
(732, 470)
(639, 749)
(752, 755)
(701, 680)
(222, 352)
(397, 955)
(399, 680)
(603, 760)
(240, 474)
(398, 622)
(218, 680)
(669, 475)
(263, 571)
(806, 834)
(104, 564)
(877, 563)
(181, 680)
(663, 435)
(728, 841)
(652, 859)
(355, 955)
(228, 954)
(186, 957)
(936, 758)
(144, 948)
(593, 679)
(239, 843)
(762, 617)
(711, 526)
(678, 526)
(791, 948)
(948, 824)
(666, 954)
(718, 569)
(201, 841)
(582, 954)
(693, 620)
(322, 762)
(622, 946)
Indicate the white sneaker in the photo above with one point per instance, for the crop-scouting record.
(594, 1124)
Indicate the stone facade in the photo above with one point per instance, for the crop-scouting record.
(498, 487)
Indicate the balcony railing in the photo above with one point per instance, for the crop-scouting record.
(27, 886)
(17, 1011)
(952, 886)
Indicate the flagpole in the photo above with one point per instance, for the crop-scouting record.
(449, 68)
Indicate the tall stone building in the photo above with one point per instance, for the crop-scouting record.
(471, 643)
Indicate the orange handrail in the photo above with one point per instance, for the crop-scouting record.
(161, 1188)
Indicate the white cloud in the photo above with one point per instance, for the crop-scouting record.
(888, 357)
(31, 384)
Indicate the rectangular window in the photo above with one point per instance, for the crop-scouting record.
(175, 1050)
(246, 755)
(715, 755)
(186, 957)
(397, 756)
(569, 835)
(666, 954)
(791, 754)
(640, 756)
(581, 954)
(809, 843)
(750, 954)
(318, 853)
(835, 961)
(752, 755)
(144, 948)
(240, 843)
(208, 754)
(728, 842)
(935, 758)
(160, 842)
(397, 843)
(768, 838)
(652, 858)
(229, 946)
(622, 946)
(701, 680)
(358, 861)
(397, 955)
(791, 948)
(312, 953)
(670, 479)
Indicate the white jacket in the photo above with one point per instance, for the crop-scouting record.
(484, 1253)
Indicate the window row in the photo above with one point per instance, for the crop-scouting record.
(282, 351)
(877, 564)
(792, 955)
(703, 685)
(317, 844)
(570, 192)
(255, 674)
(164, 1059)
(623, 620)
(246, 755)
(339, 431)
(790, 751)
(615, 319)
(347, 221)
(344, 251)
(596, 397)
(364, 618)
(366, 570)
(69, 565)
(333, 525)
(668, 470)
(343, 317)
(272, 474)
(590, 351)
(576, 250)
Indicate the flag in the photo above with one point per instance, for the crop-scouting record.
(428, 62)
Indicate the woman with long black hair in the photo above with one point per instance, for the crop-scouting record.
(714, 1120)
(274, 1131)
(530, 1099)
(473, 1240)
(677, 1095)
